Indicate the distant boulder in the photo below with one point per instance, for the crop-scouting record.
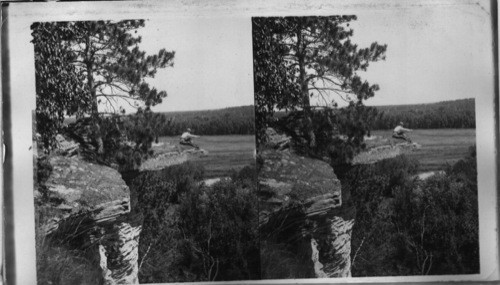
(275, 140)
(167, 155)
(379, 149)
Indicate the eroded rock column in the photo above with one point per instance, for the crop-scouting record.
(336, 255)
(119, 254)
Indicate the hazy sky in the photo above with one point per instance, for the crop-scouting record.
(434, 53)
(212, 64)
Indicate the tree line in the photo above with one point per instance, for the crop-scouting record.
(241, 120)
(228, 121)
(455, 114)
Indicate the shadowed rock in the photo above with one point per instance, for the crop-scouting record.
(301, 206)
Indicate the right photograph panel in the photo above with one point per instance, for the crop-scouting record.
(366, 142)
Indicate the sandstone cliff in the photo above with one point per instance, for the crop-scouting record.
(301, 205)
(87, 207)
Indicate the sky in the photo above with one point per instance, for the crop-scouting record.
(212, 64)
(435, 53)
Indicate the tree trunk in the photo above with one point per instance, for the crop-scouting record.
(94, 108)
(300, 53)
(304, 90)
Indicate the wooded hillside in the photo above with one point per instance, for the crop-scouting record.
(229, 121)
(447, 114)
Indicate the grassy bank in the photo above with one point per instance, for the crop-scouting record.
(225, 153)
(439, 146)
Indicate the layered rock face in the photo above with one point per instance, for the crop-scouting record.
(165, 156)
(301, 204)
(89, 209)
(379, 149)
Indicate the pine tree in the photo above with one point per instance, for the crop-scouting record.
(93, 64)
(297, 58)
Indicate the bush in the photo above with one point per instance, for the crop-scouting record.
(60, 265)
(125, 141)
(406, 226)
(42, 173)
(283, 247)
(192, 232)
(334, 134)
(220, 223)
(246, 177)
(279, 261)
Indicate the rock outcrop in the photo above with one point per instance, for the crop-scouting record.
(384, 149)
(168, 155)
(88, 208)
(301, 203)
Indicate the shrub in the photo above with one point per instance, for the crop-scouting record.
(192, 232)
(334, 134)
(280, 262)
(406, 226)
(127, 140)
(220, 222)
(42, 173)
(246, 177)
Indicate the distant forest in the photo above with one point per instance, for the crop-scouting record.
(228, 121)
(448, 114)
(241, 120)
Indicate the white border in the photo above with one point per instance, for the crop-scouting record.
(21, 15)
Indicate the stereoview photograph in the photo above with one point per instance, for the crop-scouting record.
(354, 186)
(293, 148)
(133, 185)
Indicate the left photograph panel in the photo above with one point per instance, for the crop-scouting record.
(144, 151)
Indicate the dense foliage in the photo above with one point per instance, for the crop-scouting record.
(296, 58)
(86, 68)
(126, 140)
(59, 88)
(448, 114)
(408, 226)
(339, 133)
(194, 232)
